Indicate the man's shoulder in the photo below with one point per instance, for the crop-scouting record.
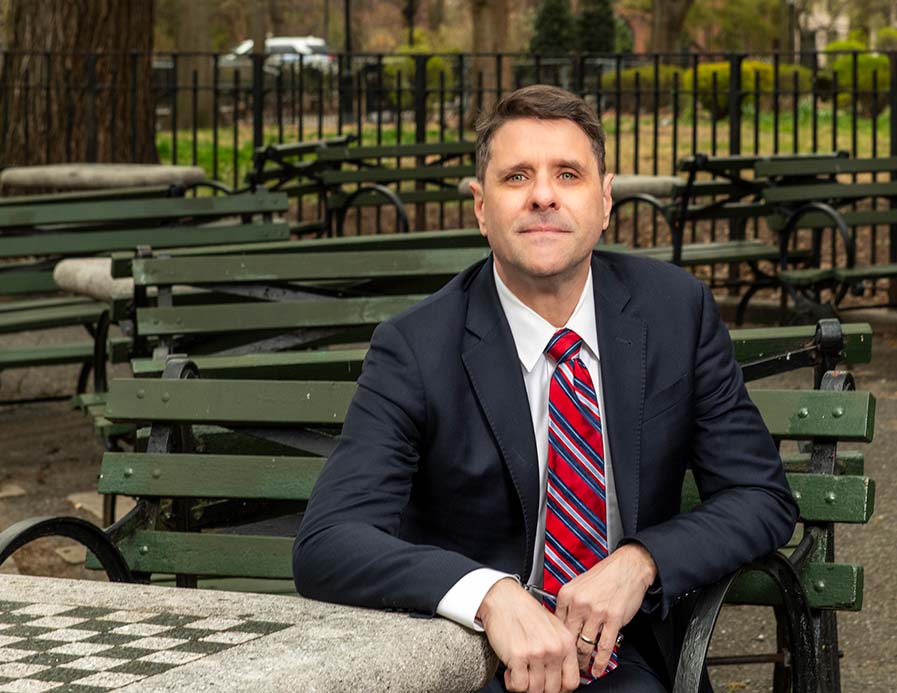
(444, 310)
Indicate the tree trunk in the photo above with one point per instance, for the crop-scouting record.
(490, 35)
(192, 35)
(76, 85)
(668, 18)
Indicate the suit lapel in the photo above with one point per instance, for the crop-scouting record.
(490, 358)
(621, 346)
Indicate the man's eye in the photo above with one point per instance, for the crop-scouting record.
(568, 175)
(515, 177)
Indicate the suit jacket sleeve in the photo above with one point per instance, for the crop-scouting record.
(348, 549)
(747, 509)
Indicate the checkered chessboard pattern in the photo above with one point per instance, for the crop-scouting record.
(83, 649)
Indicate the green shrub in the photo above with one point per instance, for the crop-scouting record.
(886, 40)
(436, 65)
(867, 64)
(646, 75)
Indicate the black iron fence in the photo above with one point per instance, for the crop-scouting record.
(211, 110)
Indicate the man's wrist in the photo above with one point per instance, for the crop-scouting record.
(494, 596)
(646, 562)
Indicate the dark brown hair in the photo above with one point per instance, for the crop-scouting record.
(543, 102)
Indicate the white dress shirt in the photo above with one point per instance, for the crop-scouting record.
(531, 333)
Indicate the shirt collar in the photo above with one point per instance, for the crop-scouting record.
(532, 332)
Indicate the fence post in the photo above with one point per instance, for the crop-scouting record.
(258, 100)
(91, 116)
(892, 96)
(420, 131)
(736, 226)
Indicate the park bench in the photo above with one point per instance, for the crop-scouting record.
(36, 236)
(228, 465)
(840, 195)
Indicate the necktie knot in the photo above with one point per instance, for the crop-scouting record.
(564, 346)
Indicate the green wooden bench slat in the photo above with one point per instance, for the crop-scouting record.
(757, 343)
(825, 166)
(46, 355)
(866, 271)
(828, 191)
(338, 364)
(119, 211)
(809, 276)
(817, 220)
(304, 267)
(29, 282)
(206, 319)
(821, 497)
(246, 401)
(733, 163)
(450, 238)
(209, 476)
(834, 586)
(155, 191)
(53, 301)
(733, 210)
(42, 318)
(209, 554)
(348, 154)
(805, 414)
(389, 175)
(75, 242)
(87, 399)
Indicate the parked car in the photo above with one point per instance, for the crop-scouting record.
(309, 51)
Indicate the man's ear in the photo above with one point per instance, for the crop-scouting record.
(607, 186)
(476, 187)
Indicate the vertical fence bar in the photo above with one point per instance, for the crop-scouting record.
(795, 110)
(499, 85)
(441, 137)
(873, 259)
(655, 135)
(637, 108)
(258, 100)
(756, 112)
(7, 92)
(694, 104)
(215, 97)
(618, 130)
(194, 95)
(278, 104)
(420, 130)
(300, 126)
(815, 105)
(835, 112)
(675, 96)
(775, 102)
(26, 100)
(735, 104)
(321, 104)
(235, 153)
(173, 96)
(854, 101)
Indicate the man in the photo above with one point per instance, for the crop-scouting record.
(533, 420)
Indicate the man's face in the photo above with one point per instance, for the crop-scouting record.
(542, 205)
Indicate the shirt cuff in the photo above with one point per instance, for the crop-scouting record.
(461, 603)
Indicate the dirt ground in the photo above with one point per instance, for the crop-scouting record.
(50, 460)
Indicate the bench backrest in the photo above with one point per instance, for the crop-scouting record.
(257, 409)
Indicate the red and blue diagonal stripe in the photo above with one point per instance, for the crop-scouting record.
(576, 505)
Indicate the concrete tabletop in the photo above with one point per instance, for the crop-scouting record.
(98, 176)
(105, 636)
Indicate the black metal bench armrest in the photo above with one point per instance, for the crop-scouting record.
(90, 536)
(390, 196)
(837, 222)
(662, 209)
(799, 627)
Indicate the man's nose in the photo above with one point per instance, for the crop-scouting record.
(543, 194)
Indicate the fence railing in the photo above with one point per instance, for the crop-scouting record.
(212, 109)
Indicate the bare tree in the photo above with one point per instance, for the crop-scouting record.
(667, 20)
(92, 60)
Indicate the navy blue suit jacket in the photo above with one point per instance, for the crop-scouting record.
(436, 471)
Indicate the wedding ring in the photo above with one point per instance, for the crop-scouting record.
(585, 639)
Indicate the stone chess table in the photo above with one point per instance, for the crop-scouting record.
(89, 637)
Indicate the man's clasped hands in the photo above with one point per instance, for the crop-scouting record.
(545, 652)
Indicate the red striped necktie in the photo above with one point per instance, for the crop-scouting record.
(576, 509)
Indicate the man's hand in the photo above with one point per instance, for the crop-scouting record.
(598, 603)
(539, 652)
